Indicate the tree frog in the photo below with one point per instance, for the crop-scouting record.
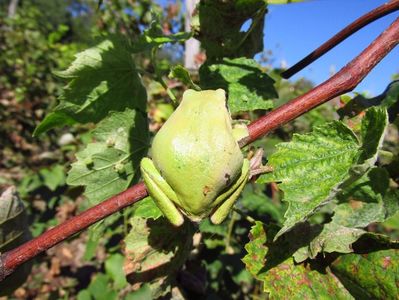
(197, 168)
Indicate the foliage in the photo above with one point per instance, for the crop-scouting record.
(315, 227)
(30, 54)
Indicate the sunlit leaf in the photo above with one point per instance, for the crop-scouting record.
(313, 168)
(108, 166)
(101, 79)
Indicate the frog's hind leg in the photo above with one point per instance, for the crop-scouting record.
(231, 196)
(161, 192)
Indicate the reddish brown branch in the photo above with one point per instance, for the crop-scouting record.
(12, 259)
(364, 20)
(345, 80)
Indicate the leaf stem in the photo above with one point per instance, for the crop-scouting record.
(244, 215)
(230, 232)
(159, 77)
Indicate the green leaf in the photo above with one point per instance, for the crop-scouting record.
(99, 288)
(53, 177)
(213, 236)
(84, 295)
(374, 125)
(114, 269)
(109, 165)
(153, 36)
(310, 168)
(330, 159)
(154, 251)
(366, 201)
(261, 205)
(142, 293)
(13, 232)
(101, 79)
(370, 276)
(147, 208)
(248, 87)
(180, 73)
(281, 278)
(218, 27)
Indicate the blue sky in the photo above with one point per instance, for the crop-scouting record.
(293, 31)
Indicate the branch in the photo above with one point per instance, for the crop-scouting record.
(10, 260)
(364, 20)
(345, 80)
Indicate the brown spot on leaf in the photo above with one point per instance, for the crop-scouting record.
(354, 269)
(386, 262)
(304, 281)
(355, 204)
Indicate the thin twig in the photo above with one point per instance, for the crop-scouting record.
(345, 80)
(364, 20)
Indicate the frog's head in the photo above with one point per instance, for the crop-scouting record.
(207, 100)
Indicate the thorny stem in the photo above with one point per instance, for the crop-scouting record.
(358, 24)
(345, 80)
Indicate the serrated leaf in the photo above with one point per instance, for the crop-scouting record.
(180, 73)
(109, 165)
(101, 79)
(365, 201)
(374, 125)
(218, 27)
(13, 232)
(281, 278)
(248, 87)
(314, 167)
(154, 251)
(310, 169)
(370, 276)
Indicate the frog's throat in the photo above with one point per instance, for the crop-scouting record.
(195, 218)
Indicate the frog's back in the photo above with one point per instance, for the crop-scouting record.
(200, 157)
